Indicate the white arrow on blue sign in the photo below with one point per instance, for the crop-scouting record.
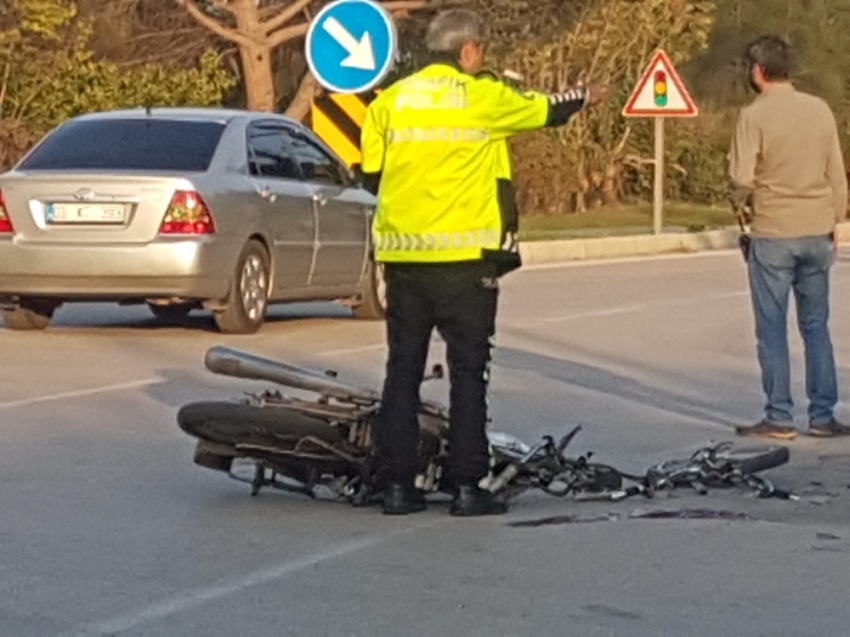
(351, 45)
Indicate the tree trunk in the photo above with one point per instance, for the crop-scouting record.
(259, 80)
(300, 105)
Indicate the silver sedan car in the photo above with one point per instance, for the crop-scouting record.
(182, 209)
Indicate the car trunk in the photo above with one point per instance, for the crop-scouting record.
(89, 208)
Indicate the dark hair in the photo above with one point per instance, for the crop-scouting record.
(773, 54)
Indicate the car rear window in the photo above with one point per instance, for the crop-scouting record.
(128, 144)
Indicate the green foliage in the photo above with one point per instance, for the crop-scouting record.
(81, 84)
(818, 30)
(43, 18)
(50, 73)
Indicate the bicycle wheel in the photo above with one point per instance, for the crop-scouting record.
(753, 459)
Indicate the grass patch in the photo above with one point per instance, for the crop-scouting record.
(624, 220)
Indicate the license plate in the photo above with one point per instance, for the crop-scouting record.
(85, 213)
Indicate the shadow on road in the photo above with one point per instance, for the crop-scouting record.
(114, 316)
(606, 382)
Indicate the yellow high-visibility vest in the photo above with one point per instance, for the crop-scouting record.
(438, 138)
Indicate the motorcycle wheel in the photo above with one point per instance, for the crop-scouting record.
(237, 424)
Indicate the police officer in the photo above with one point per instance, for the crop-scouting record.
(434, 151)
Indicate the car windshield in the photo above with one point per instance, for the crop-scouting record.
(128, 144)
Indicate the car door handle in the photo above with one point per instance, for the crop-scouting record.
(268, 195)
(320, 199)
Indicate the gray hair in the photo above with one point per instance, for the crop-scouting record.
(450, 30)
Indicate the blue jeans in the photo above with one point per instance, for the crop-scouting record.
(776, 266)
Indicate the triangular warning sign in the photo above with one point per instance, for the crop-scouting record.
(660, 92)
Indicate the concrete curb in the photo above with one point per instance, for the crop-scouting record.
(637, 245)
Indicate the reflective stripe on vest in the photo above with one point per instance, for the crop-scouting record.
(437, 134)
(436, 241)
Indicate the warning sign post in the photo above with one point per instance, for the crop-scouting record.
(660, 93)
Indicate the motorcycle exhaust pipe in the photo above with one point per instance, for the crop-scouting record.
(238, 364)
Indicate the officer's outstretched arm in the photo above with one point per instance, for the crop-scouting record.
(512, 111)
(562, 106)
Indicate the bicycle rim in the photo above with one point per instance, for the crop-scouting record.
(754, 459)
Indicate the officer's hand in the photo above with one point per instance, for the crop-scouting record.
(598, 93)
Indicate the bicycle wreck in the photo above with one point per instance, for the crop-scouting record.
(323, 446)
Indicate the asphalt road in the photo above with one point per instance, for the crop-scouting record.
(107, 528)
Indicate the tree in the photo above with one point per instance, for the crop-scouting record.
(139, 31)
(49, 72)
(258, 27)
(818, 30)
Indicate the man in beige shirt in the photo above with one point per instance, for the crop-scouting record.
(787, 168)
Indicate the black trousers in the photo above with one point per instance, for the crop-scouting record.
(459, 299)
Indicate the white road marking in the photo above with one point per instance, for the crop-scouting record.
(352, 350)
(77, 394)
(195, 597)
(581, 315)
(636, 308)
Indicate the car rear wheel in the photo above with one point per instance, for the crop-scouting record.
(373, 304)
(249, 292)
(30, 315)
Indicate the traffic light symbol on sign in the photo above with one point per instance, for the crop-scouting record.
(660, 92)
(660, 88)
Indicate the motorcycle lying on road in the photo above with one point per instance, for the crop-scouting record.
(323, 446)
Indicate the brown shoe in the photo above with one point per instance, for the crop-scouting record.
(829, 430)
(766, 429)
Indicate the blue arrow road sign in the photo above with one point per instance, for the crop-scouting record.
(351, 45)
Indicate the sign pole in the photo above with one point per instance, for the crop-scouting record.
(658, 193)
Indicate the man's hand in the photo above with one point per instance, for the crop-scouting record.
(741, 199)
(597, 93)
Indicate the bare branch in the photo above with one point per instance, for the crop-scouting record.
(285, 35)
(214, 25)
(3, 88)
(156, 34)
(404, 5)
(273, 24)
(222, 5)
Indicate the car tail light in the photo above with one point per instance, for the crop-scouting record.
(5, 221)
(187, 214)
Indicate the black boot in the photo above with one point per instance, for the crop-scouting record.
(469, 500)
(401, 499)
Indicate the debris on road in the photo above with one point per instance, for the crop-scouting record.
(827, 536)
(565, 519)
(687, 514)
